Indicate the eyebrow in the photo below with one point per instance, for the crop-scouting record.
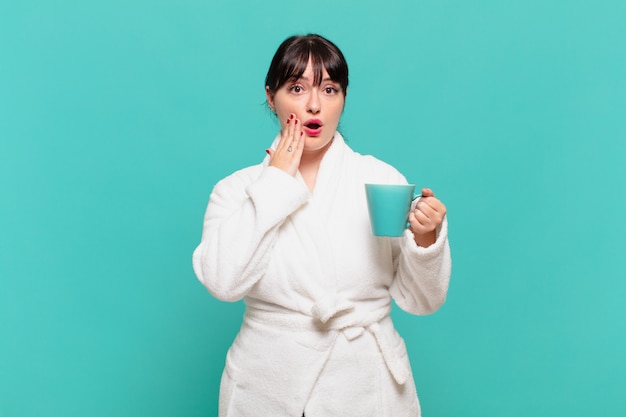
(302, 77)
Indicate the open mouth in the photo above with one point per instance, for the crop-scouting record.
(313, 127)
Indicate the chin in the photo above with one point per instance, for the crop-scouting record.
(316, 143)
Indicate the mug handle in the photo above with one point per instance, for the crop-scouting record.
(414, 201)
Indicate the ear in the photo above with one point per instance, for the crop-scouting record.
(270, 98)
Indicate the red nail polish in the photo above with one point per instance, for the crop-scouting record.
(301, 133)
(291, 116)
(296, 121)
(267, 151)
(288, 120)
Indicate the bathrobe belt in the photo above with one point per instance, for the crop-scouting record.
(341, 318)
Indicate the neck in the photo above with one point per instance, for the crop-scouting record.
(313, 157)
(310, 164)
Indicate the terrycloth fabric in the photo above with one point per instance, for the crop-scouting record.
(317, 335)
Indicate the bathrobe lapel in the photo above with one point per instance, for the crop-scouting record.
(313, 225)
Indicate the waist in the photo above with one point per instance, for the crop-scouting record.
(351, 323)
(317, 317)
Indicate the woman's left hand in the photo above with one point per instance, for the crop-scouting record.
(426, 218)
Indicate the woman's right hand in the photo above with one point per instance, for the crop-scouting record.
(289, 149)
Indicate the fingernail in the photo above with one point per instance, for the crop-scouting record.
(301, 133)
(288, 120)
(291, 116)
(267, 151)
(296, 121)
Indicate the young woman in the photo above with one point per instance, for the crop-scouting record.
(291, 236)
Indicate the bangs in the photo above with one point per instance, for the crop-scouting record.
(292, 58)
(294, 65)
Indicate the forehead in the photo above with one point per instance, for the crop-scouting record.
(309, 73)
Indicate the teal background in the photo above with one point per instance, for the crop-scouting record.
(117, 118)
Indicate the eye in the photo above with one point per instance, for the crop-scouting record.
(296, 88)
(331, 90)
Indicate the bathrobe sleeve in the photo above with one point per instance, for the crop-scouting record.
(241, 222)
(422, 275)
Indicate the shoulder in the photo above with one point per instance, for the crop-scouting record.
(369, 165)
(237, 182)
(375, 170)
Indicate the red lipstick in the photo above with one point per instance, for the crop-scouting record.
(313, 127)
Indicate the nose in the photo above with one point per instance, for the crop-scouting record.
(313, 104)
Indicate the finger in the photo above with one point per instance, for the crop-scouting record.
(298, 137)
(301, 143)
(291, 122)
(295, 135)
(436, 205)
(285, 138)
(427, 202)
(426, 216)
(419, 223)
(429, 217)
(427, 192)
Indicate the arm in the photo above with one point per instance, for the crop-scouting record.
(240, 226)
(422, 274)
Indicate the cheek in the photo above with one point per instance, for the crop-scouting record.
(283, 112)
(282, 119)
(337, 108)
(337, 112)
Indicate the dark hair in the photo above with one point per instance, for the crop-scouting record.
(291, 59)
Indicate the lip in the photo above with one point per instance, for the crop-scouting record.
(313, 131)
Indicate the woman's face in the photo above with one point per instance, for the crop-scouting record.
(318, 108)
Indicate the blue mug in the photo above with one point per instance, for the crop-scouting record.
(389, 206)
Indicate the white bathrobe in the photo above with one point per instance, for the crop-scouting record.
(316, 335)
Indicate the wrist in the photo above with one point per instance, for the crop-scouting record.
(426, 239)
